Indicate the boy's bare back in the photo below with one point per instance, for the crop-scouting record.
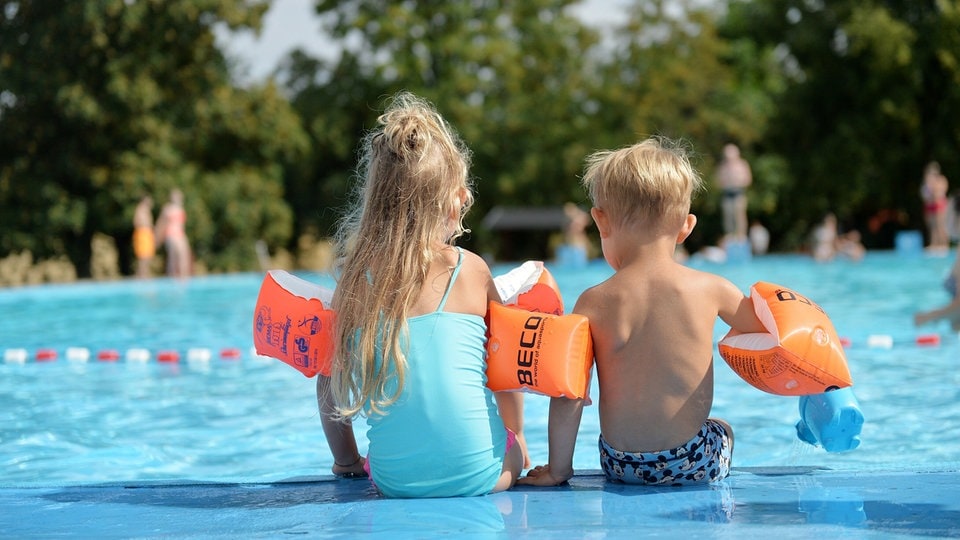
(652, 324)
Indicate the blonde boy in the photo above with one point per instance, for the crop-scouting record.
(652, 327)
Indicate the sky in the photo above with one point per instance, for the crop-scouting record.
(292, 23)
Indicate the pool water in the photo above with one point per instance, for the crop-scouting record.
(208, 418)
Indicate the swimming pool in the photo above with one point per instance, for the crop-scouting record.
(212, 416)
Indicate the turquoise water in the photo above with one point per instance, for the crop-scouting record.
(255, 419)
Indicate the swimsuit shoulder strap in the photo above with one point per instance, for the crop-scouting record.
(456, 272)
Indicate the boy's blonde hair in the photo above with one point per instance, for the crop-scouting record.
(414, 172)
(650, 183)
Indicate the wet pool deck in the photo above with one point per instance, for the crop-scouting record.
(799, 502)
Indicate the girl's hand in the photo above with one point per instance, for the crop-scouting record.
(354, 470)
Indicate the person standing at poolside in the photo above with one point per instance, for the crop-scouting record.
(410, 332)
(733, 176)
(652, 328)
(934, 192)
(171, 230)
(144, 242)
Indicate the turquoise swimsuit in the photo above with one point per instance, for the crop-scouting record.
(443, 437)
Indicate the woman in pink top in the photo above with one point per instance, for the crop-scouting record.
(171, 230)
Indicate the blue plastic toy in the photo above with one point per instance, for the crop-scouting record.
(831, 420)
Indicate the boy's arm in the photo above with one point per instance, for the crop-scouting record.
(347, 460)
(564, 423)
(736, 309)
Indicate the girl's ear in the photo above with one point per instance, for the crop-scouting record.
(688, 224)
(457, 208)
(601, 220)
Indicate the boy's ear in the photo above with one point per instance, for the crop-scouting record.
(601, 220)
(688, 224)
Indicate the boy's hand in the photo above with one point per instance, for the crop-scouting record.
(541, 475)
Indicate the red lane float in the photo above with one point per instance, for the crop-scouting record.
(535, 349)
(230, 353)
(108, 355)
(800, 354)
(171, 357)
(45, 355)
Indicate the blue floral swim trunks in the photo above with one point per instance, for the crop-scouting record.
(704, 458)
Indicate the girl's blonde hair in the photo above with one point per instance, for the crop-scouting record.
(650, 183)
(414, 177)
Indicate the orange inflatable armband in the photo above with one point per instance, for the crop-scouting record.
(292, 323)
(530, 286)
(799, 355)
(538, 352)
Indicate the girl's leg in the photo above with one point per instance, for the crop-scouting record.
(510, 405)
(512, 465)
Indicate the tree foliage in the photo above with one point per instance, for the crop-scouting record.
(105, 101)
(872, 95)
(670, 73)
(533, 89)
(508, 75)
(837, 105)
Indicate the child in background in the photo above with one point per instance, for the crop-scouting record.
(410, 347)
(652, 328)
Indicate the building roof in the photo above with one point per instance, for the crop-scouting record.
(511, 218)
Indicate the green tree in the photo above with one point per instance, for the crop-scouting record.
(508, 75)
(671, 73)
(336, 102)
(872, 94)
(533, 91)
(104, 101)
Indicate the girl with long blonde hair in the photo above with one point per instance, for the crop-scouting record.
(410, 330)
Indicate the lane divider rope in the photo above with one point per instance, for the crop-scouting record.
(134, 355)
(139, 355)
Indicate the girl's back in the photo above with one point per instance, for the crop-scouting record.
(443, 436)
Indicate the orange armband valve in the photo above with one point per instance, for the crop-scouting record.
(292, 323)
(538, 352)
(530, 286)
(799, 355)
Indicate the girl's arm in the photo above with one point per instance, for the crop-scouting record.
(509, 404)
(347, 460)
